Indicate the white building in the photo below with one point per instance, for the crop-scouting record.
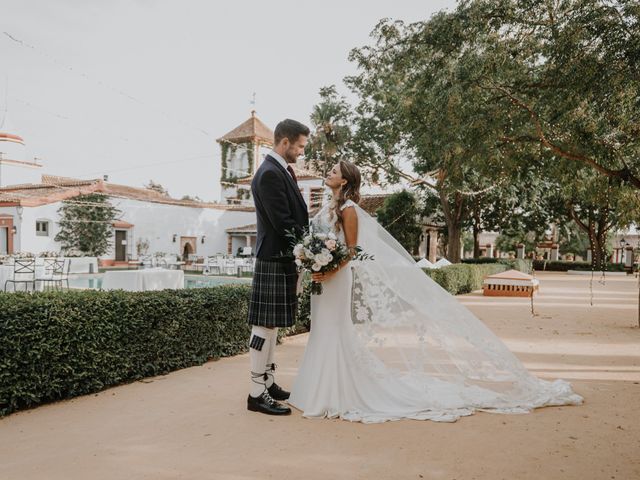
(171, 226)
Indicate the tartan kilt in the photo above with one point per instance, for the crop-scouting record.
(274, 300)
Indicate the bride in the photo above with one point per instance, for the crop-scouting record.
(388, 343)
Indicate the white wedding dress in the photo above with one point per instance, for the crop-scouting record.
(388, 343)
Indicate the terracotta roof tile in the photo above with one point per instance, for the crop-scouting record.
(301, 174)
(55, 189)
(371, 203)
(66, 181)
(251, 130)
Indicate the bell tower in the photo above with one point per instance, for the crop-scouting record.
(242, 150)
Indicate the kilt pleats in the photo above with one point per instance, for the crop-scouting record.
(274, 300)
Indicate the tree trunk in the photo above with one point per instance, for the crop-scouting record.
(453, 218)
(597, 233)
(596, 252)
(476, 229)
(453, 247)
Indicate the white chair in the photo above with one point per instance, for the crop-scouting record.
(230, 267)
(196, 264)
(212, 266)
(24, 272)
(147, 261)
(54, 272)
(247, 265)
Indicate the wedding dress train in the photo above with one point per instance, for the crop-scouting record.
(388, 343)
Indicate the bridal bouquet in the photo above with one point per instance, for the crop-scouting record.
(322, 252)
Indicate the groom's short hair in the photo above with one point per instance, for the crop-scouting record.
(290, 129)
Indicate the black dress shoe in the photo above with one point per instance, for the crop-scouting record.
(265, 404)
(277, 393)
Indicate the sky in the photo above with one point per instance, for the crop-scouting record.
(139, 90)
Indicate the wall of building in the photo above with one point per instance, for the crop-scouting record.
(25, 239)
(158, 223)
(19, 174)
(154, 222)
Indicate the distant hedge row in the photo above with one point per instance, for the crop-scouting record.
(515, 264)
(563, 266)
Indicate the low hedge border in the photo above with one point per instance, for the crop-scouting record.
(516, 264)
(563, 266)
(56, 345)
(462, 278)
(466, 277)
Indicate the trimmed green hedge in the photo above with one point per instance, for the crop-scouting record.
(56, 345)
(461, 278)
(516, 264)
(563, 266)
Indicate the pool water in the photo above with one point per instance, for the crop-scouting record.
(94, 281)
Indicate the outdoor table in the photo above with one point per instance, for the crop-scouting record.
(141, 280)
(82, 264)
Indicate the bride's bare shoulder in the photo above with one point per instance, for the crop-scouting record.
(349, 214)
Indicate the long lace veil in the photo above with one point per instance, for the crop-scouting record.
(420, 332)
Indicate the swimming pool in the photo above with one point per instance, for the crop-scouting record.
(94, 281)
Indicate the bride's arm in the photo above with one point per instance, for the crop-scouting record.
(350, 226)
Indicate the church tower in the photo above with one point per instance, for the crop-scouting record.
(242, 150)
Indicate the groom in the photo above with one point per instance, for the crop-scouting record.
(280, 208)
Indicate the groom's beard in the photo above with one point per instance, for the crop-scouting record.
(290, 157)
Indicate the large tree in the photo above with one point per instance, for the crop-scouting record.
(399, 216)
(419, 100)
(331, 131)
(472, 95)
(567, 76)
(599, 205)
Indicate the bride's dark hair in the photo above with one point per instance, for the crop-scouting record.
(349, 191)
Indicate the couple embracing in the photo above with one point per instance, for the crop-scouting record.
(386, 341)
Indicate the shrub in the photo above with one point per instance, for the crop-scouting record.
(462, 278)
(563, 266)
(56, 345)
(519, 264)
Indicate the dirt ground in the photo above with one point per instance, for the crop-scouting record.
(193, 424)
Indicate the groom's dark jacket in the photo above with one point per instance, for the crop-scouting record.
(279, 208)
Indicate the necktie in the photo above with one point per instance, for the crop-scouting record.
(293, 174)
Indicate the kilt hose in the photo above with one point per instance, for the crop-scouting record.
(274, 300)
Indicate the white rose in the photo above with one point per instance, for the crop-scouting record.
(332, 236)
(298, 250)
(298, 262)
(315, 267)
